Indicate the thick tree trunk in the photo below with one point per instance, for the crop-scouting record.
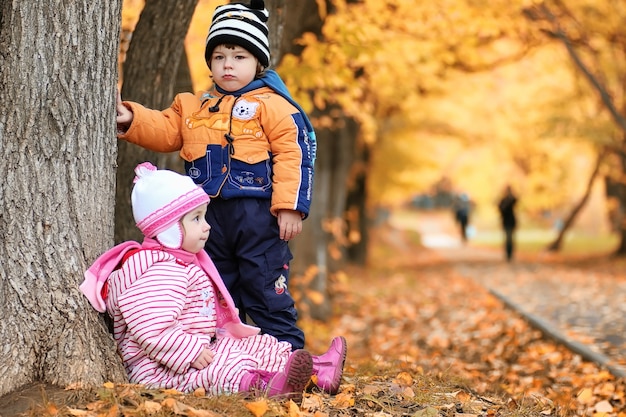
(151, 72)
(57, 83)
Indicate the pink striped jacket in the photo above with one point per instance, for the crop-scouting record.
(166, 310)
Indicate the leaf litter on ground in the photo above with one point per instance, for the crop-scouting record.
(424, 341)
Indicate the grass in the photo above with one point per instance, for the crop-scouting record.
(534, 241)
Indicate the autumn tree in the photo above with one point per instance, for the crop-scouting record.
(57, 83)
(155, 64)
(374, 64)
(595, 39)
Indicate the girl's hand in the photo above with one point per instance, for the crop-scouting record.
(204, 359)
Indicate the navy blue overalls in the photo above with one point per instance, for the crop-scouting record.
(254, 264)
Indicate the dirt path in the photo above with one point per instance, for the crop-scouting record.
(580, 304)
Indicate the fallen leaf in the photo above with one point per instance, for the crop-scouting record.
(427, 412)
(114, 411)
(150, 407)
(172, 392)
(462, 396)
(294, 410)
(585, 396)
(603, 407)
(371, 389)
(257, 408)
(312, 402)
(408, 392)
(404, 379)
(79, 413)
(343, 400)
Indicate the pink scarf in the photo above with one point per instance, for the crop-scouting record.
(99, 271)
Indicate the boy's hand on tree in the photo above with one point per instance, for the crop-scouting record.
(124, 114)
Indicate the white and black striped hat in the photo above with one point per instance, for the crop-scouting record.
(243, 25)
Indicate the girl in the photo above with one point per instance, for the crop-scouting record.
(175, 323)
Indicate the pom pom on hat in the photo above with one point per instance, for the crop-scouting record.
(159, 199)
(243, 25)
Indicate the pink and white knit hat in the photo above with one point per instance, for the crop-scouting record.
(159, 199)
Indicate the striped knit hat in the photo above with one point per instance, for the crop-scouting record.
(243, 25)
(159, 199)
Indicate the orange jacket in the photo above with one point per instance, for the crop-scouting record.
(252, 145)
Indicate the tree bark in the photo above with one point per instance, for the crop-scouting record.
(57, 82)
(151, 72)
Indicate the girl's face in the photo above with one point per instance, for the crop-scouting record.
(233, 67)
(195, 229)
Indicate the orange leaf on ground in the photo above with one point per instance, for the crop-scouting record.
(294, 410)
(150, 407)
(257, 408)
(312, 402)
(404, 379)
(343, 400)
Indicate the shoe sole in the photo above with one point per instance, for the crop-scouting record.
(300, 370)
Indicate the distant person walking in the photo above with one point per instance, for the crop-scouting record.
(506, 206)
(462, 207)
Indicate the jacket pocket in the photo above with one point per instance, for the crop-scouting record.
(250, 170)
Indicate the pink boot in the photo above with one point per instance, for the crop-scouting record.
(255, 382)
(329, 366)
(288, 383)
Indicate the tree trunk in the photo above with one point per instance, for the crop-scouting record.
(151, 72)
(621, 195)
(358, 219)
(569, 221)
(320, 250)
(57, 82)
(321, 247)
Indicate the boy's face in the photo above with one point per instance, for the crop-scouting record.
(195, 229)
(233, 67)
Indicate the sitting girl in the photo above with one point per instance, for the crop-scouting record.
(174, 322)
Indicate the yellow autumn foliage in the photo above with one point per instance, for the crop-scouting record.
(421, 80)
